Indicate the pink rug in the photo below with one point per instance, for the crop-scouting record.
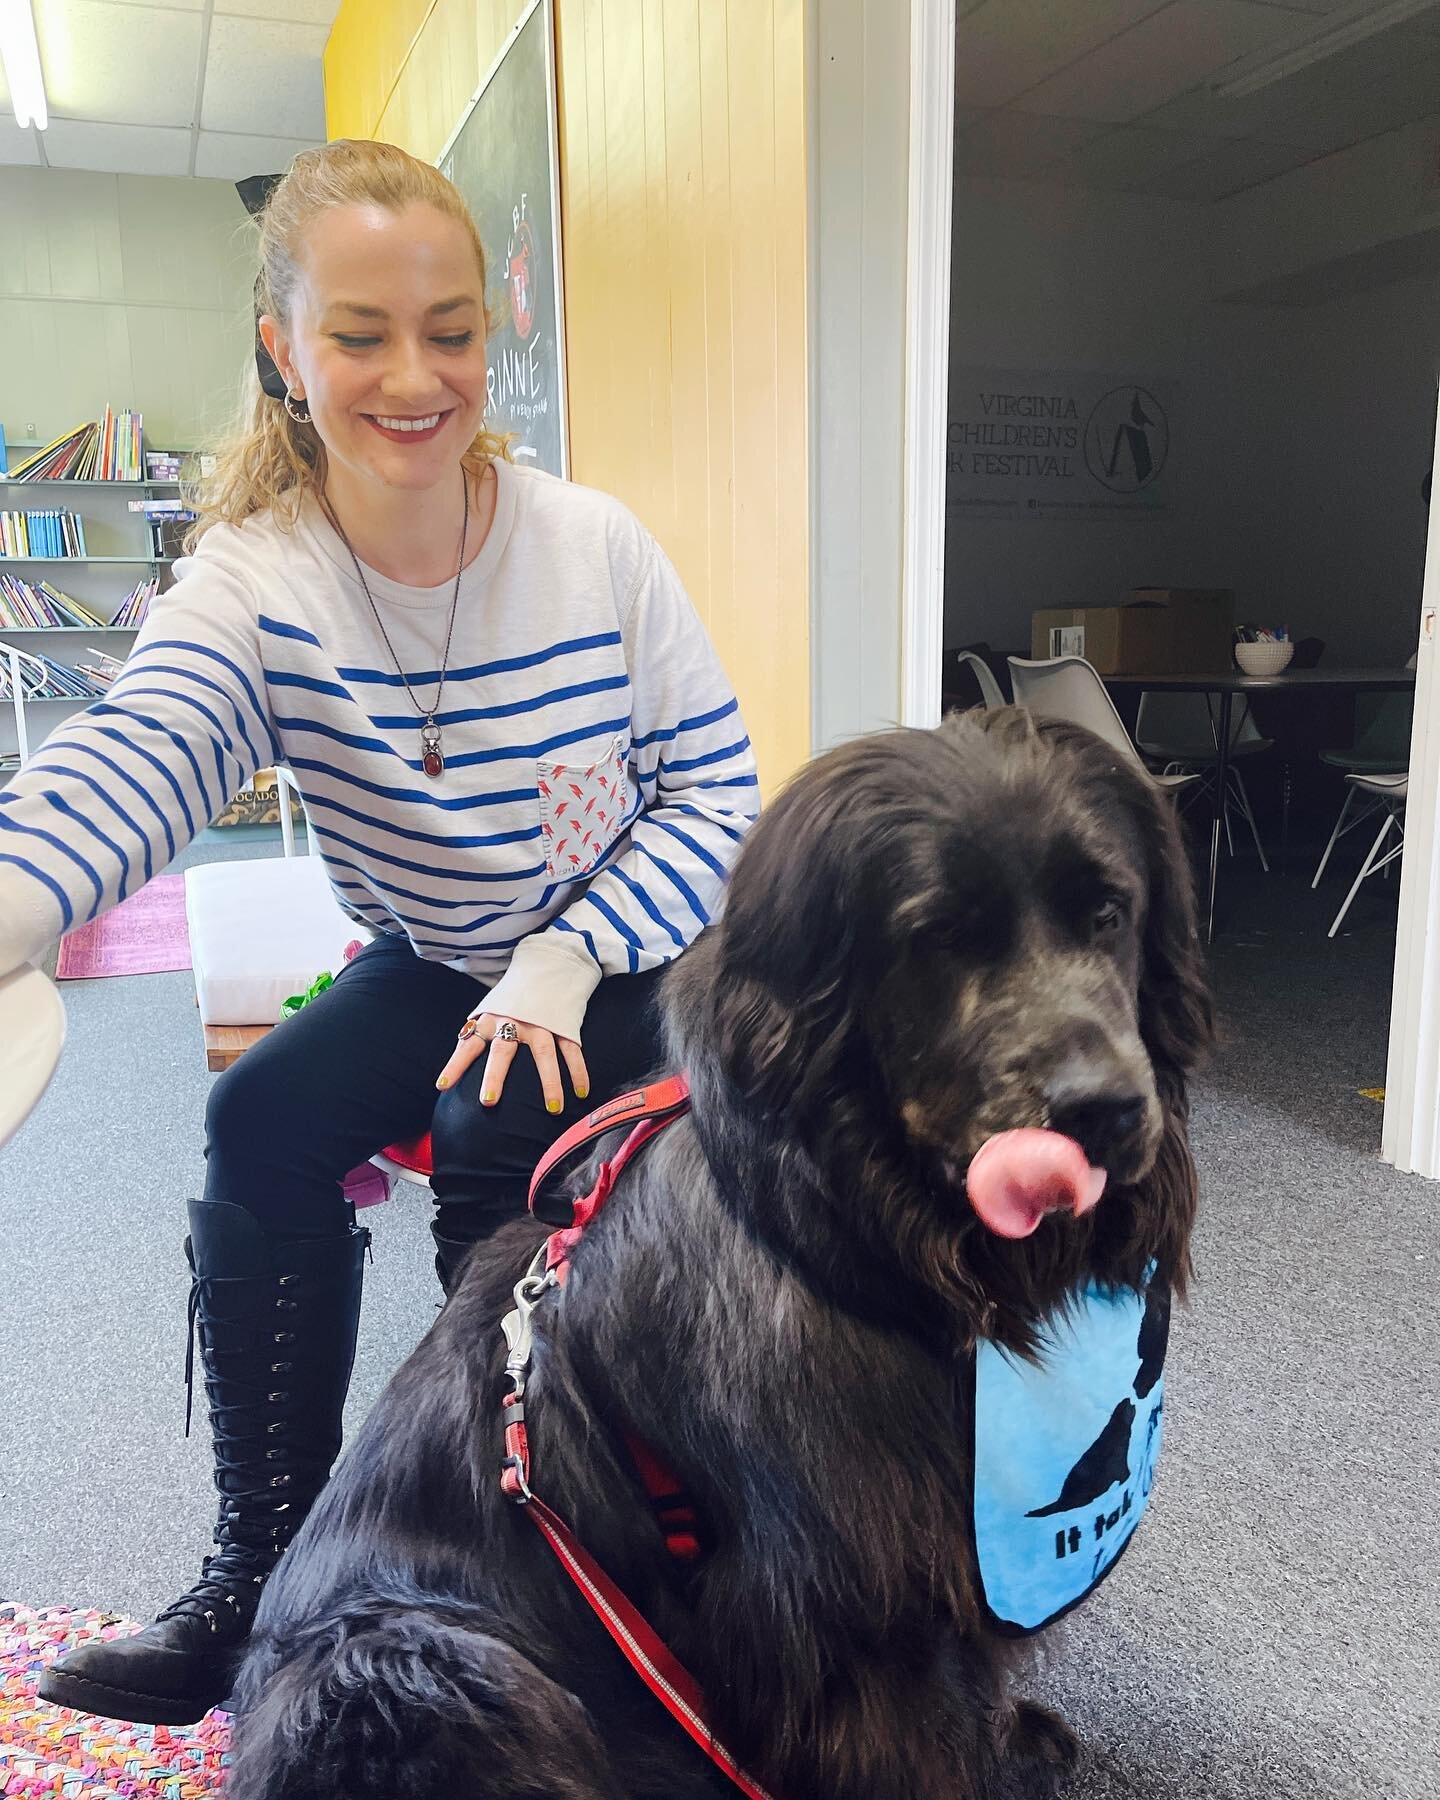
(144, 935)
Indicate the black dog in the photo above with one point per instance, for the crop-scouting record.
(931, 937)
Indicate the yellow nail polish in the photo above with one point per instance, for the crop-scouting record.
(488, 1099)
(554, 1106)
(582, 1093)
(443, 1082)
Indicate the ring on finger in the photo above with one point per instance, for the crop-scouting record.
(469, 1028)
(507, 1034)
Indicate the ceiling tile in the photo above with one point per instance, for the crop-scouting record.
(1013, 144)
(118, 149)
(17, 144)
(1129, 157)
(231, 157)
(130, 64)
(265, 78)
(292, 12)
(1227, 170)
(195, 6)
(1159, 58)
(1009, 45)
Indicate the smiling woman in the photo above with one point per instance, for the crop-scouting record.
(525, 770)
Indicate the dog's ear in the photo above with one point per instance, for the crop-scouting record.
(1176, 1023)
(791, 965)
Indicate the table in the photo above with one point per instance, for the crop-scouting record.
(1227, 684)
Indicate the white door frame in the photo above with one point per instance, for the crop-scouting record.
(1411, 1135)
(927, 355)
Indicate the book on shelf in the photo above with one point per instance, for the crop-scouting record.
(106, 449)
(36, 605)
(40, 534)
(43, 678)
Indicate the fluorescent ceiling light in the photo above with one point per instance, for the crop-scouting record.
(1340, 32)
(20, 54)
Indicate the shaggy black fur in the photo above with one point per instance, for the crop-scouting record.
(930, 937)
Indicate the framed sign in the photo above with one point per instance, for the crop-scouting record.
(504, 158)
(1042, 443)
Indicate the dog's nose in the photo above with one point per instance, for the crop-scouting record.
(1101, 1120)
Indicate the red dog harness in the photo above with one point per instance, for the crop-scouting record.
(649, 1110)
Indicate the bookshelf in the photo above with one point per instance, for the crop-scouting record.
(123, 545)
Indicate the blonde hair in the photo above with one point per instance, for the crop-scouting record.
(270, 461)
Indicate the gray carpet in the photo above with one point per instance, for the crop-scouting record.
(1271, 1635)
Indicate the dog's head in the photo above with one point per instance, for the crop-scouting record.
(933, 938)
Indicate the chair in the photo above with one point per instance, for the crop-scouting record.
(1390, 793)
(1068, 687)
(1382, 747)
(1181, 731)
(984, 676)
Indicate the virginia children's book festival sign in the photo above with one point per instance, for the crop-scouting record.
(1047, 443)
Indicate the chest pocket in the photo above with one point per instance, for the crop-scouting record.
(1065, 1454)
(583, 807)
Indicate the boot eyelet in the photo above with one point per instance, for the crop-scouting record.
(284, 1506)
(275, 1398)
(285, 1280)
(279, 1481)
(211, 1617)
(275, 1456)
(287, 1306)
(270, 1430)
(281, 1368)
(283, 1337)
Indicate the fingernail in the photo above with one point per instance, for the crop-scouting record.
(554, 1106)
(488, 1099)
(582, 1093)
(443, 1082)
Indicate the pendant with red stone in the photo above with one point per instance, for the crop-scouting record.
(431, 759)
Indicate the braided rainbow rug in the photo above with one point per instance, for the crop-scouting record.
(50, 1750)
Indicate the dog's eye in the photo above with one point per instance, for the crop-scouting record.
(1108, 916)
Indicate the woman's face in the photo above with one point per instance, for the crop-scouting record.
(387, 342)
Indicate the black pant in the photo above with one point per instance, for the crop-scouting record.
(355, 1070)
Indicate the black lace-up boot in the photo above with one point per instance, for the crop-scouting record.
(450, 1255)
(277, 1319)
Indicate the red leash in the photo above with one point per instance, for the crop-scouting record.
(651, 1109)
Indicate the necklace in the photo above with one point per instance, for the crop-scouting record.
(432, 757)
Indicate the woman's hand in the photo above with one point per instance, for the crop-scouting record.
(502, 1038)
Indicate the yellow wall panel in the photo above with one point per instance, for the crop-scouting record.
(683, 206)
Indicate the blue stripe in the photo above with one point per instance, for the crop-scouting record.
(479, 671)
(663, 824)
(62, 805)
(696, 724)
(691, 898)
(512, 709)
(412, 794)
(292, 723)
(143, 666)
(125, 687)
(343, 862)
(440, 842)
(579, 931)
(67, 912)
(277, 628)
(730, 781)
(650, 907)
(541, 748)
(702, 762)
(694, 812)
(287, 678)
(42, 762)
(430, 868)
(100, 794)
(107, 709)
(262, 715)
(633, 943)
(119, 737)
(55, 843)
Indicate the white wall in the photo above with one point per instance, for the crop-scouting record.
(1299, 438)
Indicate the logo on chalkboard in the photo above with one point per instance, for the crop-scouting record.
(1127, 439)
(520, 269)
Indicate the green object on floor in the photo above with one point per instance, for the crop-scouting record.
(1377, 1094)
(289, 1008)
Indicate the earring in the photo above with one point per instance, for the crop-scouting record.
(298, 408)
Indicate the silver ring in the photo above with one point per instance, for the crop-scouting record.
(506, 1033)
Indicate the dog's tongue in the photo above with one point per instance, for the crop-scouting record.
(1019, 1176)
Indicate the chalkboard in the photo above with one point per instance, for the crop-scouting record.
(503, 157)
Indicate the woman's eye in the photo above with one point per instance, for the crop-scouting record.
(458, 342)
(353, 343)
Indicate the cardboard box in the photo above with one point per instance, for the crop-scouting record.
(1153, 631)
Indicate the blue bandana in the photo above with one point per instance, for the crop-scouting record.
(1065, 1453)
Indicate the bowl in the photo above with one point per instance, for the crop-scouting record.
(1264, 659)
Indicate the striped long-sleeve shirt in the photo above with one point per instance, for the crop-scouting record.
(597, 782)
